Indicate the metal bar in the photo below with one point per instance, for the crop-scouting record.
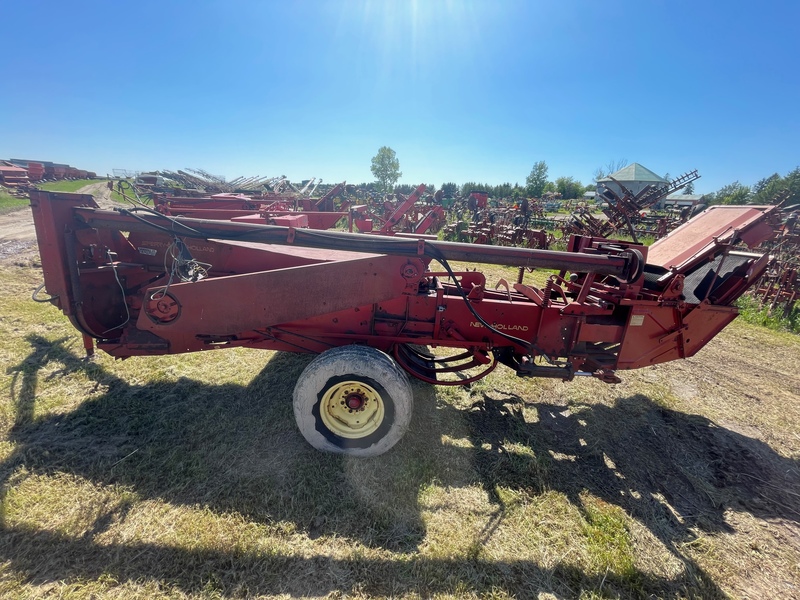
(618, 266)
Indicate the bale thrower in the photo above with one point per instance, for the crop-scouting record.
(377, 309)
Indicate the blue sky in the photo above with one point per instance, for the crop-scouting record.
(461, 90)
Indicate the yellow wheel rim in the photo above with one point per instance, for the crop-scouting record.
(352, 409)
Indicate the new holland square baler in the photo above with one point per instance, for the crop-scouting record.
(375, 308)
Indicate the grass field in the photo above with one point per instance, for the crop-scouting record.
(184, 476)
(66, 185)
(9, 202)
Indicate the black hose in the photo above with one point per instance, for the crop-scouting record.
(434, 253)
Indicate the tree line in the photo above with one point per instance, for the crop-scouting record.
(386, 169)
(765, 191)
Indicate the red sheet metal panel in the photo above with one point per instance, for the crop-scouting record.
(685, 242)
(298, 220)
(238, 303)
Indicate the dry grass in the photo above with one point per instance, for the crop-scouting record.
(184, 476)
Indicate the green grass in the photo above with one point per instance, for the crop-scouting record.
(9, 202)
(185, 477)
(67, 185)
(751, 311)
(74, 186)
(128, 193)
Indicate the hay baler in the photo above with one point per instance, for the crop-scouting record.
(376, 309)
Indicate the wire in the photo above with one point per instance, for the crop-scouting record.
(131, 213)
(42, 300)
(111, 255)
(183, 268)
(532, 348)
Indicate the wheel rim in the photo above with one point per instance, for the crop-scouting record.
(352, 409)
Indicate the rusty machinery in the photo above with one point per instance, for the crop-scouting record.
(625, 212)
(779, 288)
(404, 214)
(378, 308)
(504, 226)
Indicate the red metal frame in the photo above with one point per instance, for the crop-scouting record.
(141, 283)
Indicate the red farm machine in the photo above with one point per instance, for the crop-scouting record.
(378, 308)
(402, 216)
(272, 208)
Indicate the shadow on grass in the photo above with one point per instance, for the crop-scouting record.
(675, 473)
(43, 557)
(230, 447)
(235, 449)
(671, 470)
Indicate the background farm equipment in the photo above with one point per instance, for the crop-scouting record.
(268, 208)
(506, 226)
(405, 215)
(626, 214)
(400, 214)
(779, 289)
(379, 308)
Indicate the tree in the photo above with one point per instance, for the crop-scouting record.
(502, 191)
(449, 189)
(792, 183)
(612, 167)
(537, 179)
(689, 188)
(569, 188)
(763, 184)
(767, 190)
(472, 186)
(386, 168)
(733, 193)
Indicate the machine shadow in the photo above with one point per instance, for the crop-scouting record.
(231, 448)
(235, 448)
(672, 471)
(252, 574)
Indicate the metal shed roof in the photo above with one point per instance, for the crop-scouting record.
(635, 172)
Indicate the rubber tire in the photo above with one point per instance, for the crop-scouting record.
(361, 363)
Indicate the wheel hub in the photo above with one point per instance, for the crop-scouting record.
(352, 409)
(355, 401)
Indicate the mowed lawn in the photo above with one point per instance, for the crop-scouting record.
(185, 476)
